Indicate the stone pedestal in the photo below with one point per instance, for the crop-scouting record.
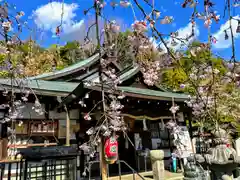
(225, 170)
(157, 164)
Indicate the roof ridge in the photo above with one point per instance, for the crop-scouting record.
(67, 70)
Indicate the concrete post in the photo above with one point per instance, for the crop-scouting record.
(157, 164)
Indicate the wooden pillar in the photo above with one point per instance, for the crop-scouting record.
(189, 116)
(67, 126)
(47, 108)
(3, 142)
(103, 164)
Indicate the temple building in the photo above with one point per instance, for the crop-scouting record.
(68, 94)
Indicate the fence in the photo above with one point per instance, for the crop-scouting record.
(119, 163)
(59, 163)
(52, 163)
(44, 170)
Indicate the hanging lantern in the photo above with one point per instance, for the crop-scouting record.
(238, 27)
(111, 149)
(226, 35)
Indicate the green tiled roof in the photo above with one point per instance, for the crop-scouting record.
(154, 94)
(130, 73)
(133, 71)
(145, 93)
(123, 77)
(41, 87)
(68, 70)
(58, 88)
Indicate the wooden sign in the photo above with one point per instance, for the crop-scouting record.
(185, 148)
(43, 127)
(22, 130)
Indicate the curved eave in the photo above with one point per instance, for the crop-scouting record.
(123, 77)
(40, 87)
(153, 94)
(68, 70)
(130, 73)
(145, 93)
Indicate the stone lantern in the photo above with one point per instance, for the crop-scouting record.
(221, 159)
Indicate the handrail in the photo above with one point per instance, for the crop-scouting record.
(90, 163)
(133, 170)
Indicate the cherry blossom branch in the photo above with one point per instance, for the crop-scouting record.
(231, 31)
(88, 31)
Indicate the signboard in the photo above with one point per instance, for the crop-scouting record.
(185, 147)
(74, 127)
(23, 129)
(43, 127)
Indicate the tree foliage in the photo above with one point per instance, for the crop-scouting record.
(37, 60)
(211, 82)
(177, 76)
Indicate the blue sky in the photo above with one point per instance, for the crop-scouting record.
(43, 16)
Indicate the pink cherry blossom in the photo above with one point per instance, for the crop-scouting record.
(87, 117)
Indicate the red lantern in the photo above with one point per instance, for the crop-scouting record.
(111, 149)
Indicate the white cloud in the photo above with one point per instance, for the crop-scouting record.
(48, 17)
(220, 35)
(183, 33)
(74, 31)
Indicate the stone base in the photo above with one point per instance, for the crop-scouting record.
(219, 170)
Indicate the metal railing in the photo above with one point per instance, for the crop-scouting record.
(145, 166)
(46, 169)
(90, 163)
(64, 168)
(134, 172)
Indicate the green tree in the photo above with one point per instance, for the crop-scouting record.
(178, 76)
